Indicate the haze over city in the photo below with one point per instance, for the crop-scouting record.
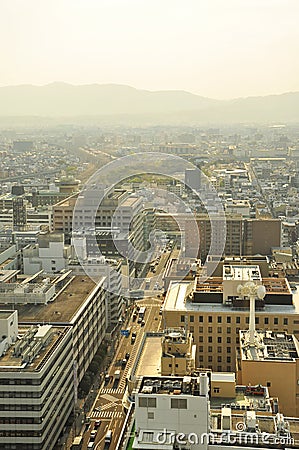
(217, 49)
(149, 225)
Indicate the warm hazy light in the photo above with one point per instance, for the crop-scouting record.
(216, 48)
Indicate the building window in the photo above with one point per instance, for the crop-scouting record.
(182, 318)
(200, 318)
(266, 320)
(219, 319)
(210, 349)
(147, 402)
(285, 321)
(178, 403)
(216, 390)
(150, 415)
(210, 339)
(210, 319)
(219, 330)
(228, 340)
(238, 319)
(247, 320)
(210, 358)
(228, 349)
(219, 339)
(200, 338)
(200, 348)
(228, 330)
(219, 358)
(228, 319)
(191, 329)
(191, 318)
(275, 320)
(268, 384)
(200, 329)
(200, 358)
(228, 368)
(210, 329)
(219, 349)
(228, 359)
(257, 320)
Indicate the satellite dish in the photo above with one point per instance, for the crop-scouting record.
(261, 292)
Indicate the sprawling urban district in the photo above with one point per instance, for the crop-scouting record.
(182, 349)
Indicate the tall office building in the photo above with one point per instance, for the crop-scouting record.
(193, 179)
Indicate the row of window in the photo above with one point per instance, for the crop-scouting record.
(220, 359)
(220, 319)
(219, 349)
(219, 339)
(20, 420)
(151, 402)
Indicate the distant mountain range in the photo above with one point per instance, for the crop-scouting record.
(113, 102)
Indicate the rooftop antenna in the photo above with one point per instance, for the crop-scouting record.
(252, 291)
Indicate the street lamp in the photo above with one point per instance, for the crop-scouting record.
(252, 291)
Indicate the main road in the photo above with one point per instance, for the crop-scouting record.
(108, 408)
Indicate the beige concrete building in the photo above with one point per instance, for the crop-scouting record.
(272, 361)
(36, 383)
(178, 352)
(214, 313)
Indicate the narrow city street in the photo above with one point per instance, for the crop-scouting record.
(107, 411)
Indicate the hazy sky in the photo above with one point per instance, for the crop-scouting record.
(215, 48)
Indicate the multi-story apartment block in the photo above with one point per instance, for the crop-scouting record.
(68, 300)
(243, 236)
(260, 235)
(36, 383)
(201, 238)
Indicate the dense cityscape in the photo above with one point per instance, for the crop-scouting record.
(149, 225)
(102, 349)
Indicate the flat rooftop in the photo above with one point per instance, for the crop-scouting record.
(6, 275)
(211, 284)
(177, 297)
(171, 385)
(130, 201)
(241, 273)
(246, 398)
(66, 304)
(150, 359)
(178, 267)
(13, 361)
(269, 346)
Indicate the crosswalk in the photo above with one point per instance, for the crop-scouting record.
(112, 391)
(106, 414)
